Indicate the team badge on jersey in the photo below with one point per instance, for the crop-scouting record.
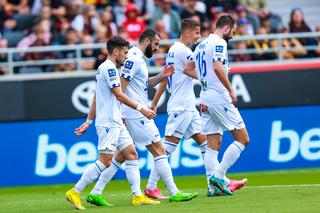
(112, 73)
(128, 65)
(219, 49)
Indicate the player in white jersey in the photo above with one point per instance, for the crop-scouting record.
(217, 100)
(112, 134)
(184, 119)
(135, 83)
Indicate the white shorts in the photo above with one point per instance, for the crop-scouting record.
(183, 124)
(113, 139)
(143, 131)
(220, 117)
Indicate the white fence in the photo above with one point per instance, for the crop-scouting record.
(13, 61)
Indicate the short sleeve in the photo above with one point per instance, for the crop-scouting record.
(129, 69)
(220, 51)
(112, 78)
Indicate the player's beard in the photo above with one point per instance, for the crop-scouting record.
(119, 62)
(149, 52)
(227, 37)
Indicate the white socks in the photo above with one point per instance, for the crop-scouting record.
(133, 176)
(105, 177)
(154, 176)
(203, 148)
(169, 147)
(89, 175)
(210, 163)
(164, 170)
(230, 156)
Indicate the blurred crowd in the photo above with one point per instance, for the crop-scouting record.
(31, 23)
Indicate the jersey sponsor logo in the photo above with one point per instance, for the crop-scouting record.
(142, 122)
(128, 65)
(219, 49)
(112, 72)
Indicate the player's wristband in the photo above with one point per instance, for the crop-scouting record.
(139, 107)
(89, 121)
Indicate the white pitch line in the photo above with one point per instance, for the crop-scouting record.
(125, 194)
(285, 186)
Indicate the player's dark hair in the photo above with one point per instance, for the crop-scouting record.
(225, 20)
(148, 33)
(116, 42)
(189, 23)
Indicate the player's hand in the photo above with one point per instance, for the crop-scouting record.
(82, 129)
(148, 113)
(154, 107)
(233, 96)
(167, 70)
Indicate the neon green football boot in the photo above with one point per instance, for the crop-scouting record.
(98, 200)
(180, 196)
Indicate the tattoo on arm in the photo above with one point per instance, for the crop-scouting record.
(153, 81)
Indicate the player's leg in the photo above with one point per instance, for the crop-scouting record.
(106, 146)
(164, 170)
(151, 189)
(227, 117)
(194, 131)
(176, 126)
(233, 152)
(95, 196)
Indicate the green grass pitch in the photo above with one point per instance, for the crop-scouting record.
(281, 191)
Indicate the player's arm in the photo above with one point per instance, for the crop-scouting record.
(85, 126)
(155, 80)
(190, 69)
(162, 87)
(123, 98)
(219, 70)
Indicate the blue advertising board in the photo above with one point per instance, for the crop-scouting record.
(48, 152)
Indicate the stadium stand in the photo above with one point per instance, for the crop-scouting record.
(97, 21)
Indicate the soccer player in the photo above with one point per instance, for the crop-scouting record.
(111, 131)
(184, 119)
(217, 100)
(135, 83)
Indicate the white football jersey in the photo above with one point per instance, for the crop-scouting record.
(135, 70)
(108, 109)
(211, 49)
(180, 85)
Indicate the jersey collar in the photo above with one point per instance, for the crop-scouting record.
(138, 52)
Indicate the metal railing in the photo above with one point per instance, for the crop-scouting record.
(12, 62)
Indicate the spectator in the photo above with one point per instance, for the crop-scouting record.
(119, 9)
(292, 48)
(242, 16)
(242, 46)
(71, 39)
(318, 41)
(107, 22)
(16, 6)
(122, 33)
(297, 24)
(161, 29)
(3, 56)
(86, 22)
(256, 9)
(88, 53)
(244, 28)
(218, 6)
(261, 46)
(7, 22)
(190, 10)
(100, 4)
(133, 24)
(146, 9)
(170, 18)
